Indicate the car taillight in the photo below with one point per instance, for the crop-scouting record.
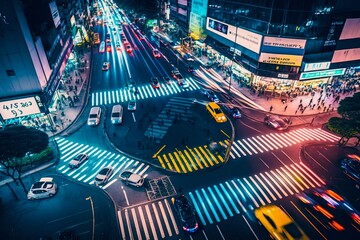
(356, 218)
(304, 200)
(337, 226)
(323, 211)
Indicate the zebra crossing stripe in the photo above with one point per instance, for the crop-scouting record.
(325, 135)
(167, 162)
(312, 134)
(133, 213)
(268, 141)
(243, 146)
(174, 163)
(196, 206)
(97, 99)
(242, 152)
(161, 207)
(254, 191)
(256, 146)
(191, 165)
(138, 169)
(151, 222)
(234, 194)
(197, 158)
(262, 192)
(302, 176)
(109, 97)
(128, 224)
(144, 226)
(306, 136)
(223, 201)
(280, 141)
(248, 193)
(217, 203)
(269, 184)
(296, 177)
(261, 145)
(198, 163)
(282, 183)
(207, 214)
(288, 182)
(172, 217)
(121, 96)
(179, 155)
(147, 89)
(180, 162)
(201, 158)
(287, 139)
(247, 144)
(161, 162)
(212, 155)
(122, 229)
(316, 176)
(206, 156)
(117, 96)
(92, 99)
(158, 220)
(290, 178)
(229, 198)
(217, 218)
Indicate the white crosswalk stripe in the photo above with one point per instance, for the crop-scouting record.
(219, 202)
(98, 159)
(268, 142)
(145, 91)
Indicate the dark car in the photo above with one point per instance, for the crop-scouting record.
(234, 112)
(331, 208)
(155, 82)
(186, 213)
(191, 69)
(351, 167)
(167, 80)
(211, 96)
(275, 122)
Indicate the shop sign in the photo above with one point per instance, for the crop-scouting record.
(237, 52)
(19, 107)
(316, 66)
(284, 42)
(321, 74)
(282, 75)
(346, 55)
(199, 7)
(245, 38)
(288, 60)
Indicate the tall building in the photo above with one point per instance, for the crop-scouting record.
(35, 48)
(286, 44)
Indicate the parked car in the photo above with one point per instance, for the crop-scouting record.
(103, 176)
(331, 208)
(351, 167)
(44, 188)
(132, 178)
(211, 96)
(78, 160)
(234, 112)
(106, 66)
(132, 105)
(154, 82)
(279, 224)
(275, 122)
(186, 213)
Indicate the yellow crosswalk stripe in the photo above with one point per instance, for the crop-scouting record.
(174, 163)
(202, 159)
(212, 155)
(167, 162)
(196, 157)
(180, 162)
(197, 160)
(161, 162)
(206, 156)
(185, 161)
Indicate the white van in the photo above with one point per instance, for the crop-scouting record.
(94, 116)
(116, 114)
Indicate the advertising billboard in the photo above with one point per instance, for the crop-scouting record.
(316, 66)
(245, 38)
(346, 55)
(283, 45)
(281, 59)
(333, 34)
(18, 108)
(54, 13)
(322, 74)
(351, 29)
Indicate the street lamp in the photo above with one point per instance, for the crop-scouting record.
(93, 216)
(232, 61)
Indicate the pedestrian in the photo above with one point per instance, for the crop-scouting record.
(296, 111)
(285, 108)
(324, 108)
(300, 101)
(271, 108)
(318, 108)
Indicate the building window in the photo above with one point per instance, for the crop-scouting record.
(10, 73)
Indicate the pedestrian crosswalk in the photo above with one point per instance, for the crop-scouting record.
(144, 92)
(197, 158)
(219, 202)
(176, 108)
(98, 158)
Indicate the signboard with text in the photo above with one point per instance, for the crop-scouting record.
(322, 74)
(316, 66)
(281, 59)
(19, 108)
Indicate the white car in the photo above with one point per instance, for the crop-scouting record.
(132, 178)
(44, 188)
(103, 176)
(78, 160)
(106, 66)
(132, 105)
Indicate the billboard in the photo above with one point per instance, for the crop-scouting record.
(284, 42)
(351, 29)
(281, 59)
(333, 34)
(18, 108)
(244, 38)
(322, 74)
(198, 18)
(54, 13)
(316, 66)
(346, 55)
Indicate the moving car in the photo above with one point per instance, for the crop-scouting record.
(351, 167)
(216, 112)
(154, 82)
(102, 47)
(94, 116)
(211, 96)
(132, 105)
(279, 224)
(103, 176)
(118, 46)
(275, 122)
(188, 57)
(116, 114)
(132, 178)
(129, 48)
(186, 213)
(78, 160)
(156, 53)
(107, 36)
(167, 80)
(234, 112)
(44, 188)
(330, 208)
(176, 74)
(106, 66)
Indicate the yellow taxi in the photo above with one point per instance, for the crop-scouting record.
(279, 224)
(216, 112)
